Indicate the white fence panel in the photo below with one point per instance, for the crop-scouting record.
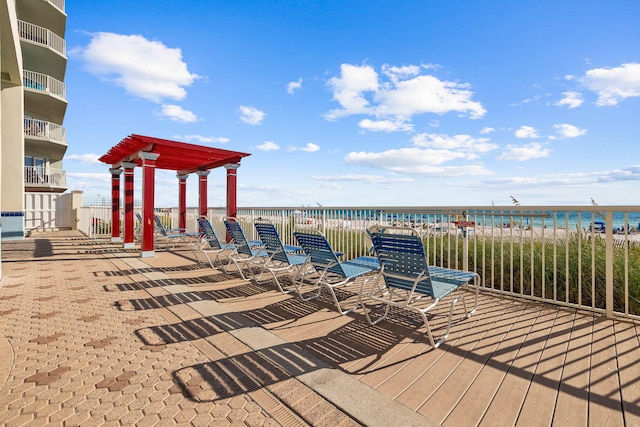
(47, 211)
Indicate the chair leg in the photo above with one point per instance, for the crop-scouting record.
(429, 333)
(372, 322)
(337, 303)
(476, 279)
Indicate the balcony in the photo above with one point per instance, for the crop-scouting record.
(58, 4)
(42, 37)
(44, 179)
(44, 95)
(49, 139)
(40, 129)
(42, 49)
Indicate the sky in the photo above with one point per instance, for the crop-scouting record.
(365, 103)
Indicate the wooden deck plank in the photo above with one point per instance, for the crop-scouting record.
(412, 341)
(470, 409)
(440, 404)
(573, 396)
(429, 381)
(540, 400)
(484, 374)
(605, 405)
(505, 406)
(410, 372)
(627, 343)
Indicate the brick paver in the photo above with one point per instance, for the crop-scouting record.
(75, 351)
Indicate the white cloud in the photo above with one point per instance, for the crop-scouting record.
(416, 161)
(372, 179)
(144, 68)
(251, 115)
(427, 94)
(349, 89)
(202, 139)
(571, 99)
(486, 130)
(463, 143)
(527, 132)
(385, 125)
(310, 147)
(569, 131)
(90, 158)
(293, 86)
(612, 85)
(268, 146)
(396, 74)
(524, 152)
(404, 93)
(177, 114)
(590, 179)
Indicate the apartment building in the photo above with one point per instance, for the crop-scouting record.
(33, 104)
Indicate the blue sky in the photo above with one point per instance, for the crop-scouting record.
(365, 103)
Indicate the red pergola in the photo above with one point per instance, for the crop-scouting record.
(151, 153)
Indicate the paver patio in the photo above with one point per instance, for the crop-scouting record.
(91, 334)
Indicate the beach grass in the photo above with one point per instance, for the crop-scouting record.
(571, 269)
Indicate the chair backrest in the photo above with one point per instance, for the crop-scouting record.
(160, 225)
(271, 240)
(319, 251)
(403, 260)
(236, 233)
(209, 233)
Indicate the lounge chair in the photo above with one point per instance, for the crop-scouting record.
(173, 235)
(247, 254)
(137, 230)
(210, 246)
(405, 279)
(331, 272)
(282, 258)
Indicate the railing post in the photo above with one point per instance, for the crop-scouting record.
(465, 242)
(609, 264)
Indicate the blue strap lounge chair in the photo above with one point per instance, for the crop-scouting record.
(174, 235)
(210, 246)
(406, 279)
(282, 258)
(331, 272)
(247, 254)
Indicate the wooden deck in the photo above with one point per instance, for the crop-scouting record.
(513, 362)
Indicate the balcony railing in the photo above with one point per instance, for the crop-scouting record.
(34, 128)
(44, 177)
(42, 36)
(44, 83)
(57, 3)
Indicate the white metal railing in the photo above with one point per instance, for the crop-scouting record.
(42, 36)
(44, 83)
(43, 129)
(581, 257)
(59, 4)
(44, 176)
